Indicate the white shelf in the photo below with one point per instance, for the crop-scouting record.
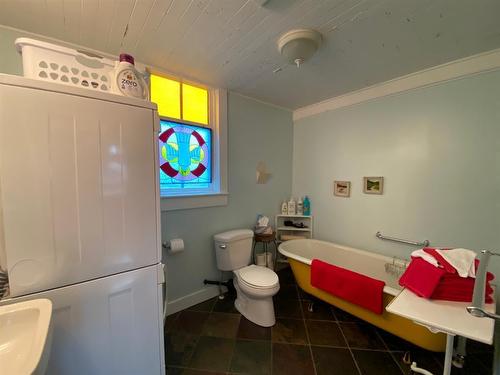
(306, 216)
(282, 229)
(293, 229)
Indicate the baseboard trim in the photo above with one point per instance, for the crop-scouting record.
(192, 299)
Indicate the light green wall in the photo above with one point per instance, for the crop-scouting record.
(439, 151)
(256, 132)
(10, 59)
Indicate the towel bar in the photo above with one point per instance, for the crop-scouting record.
(423, 243)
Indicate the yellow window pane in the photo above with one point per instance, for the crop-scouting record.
(194, 104)
(166, 93)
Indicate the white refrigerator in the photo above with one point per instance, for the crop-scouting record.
(80, 222)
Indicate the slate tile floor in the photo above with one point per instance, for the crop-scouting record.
(213, 338)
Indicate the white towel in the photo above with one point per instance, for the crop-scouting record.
(460, 259)
(425, 256)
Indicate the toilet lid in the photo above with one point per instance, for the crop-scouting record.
(258, 276)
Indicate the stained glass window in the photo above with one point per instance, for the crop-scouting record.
(185, 156)
(194, 104)
(167, 94)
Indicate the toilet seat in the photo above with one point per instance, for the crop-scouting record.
(258, 277)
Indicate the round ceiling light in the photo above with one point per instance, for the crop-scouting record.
(297, 46)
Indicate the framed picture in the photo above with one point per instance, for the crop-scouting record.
(373, 185)
(342, 188)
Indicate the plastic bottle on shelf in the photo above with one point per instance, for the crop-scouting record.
(307, 206)
(284, 208)
(300, 207)
(127, 80)
(291, 207)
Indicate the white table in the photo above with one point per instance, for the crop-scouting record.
(450, 318)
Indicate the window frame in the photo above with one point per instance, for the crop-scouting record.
(217, 193)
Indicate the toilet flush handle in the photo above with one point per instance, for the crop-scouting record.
(223, 246)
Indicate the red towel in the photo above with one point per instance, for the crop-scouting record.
(460, 289)
(447, 266)
(432, 282)
(458, 297)
(351, 286)
(489, 275)
(421, 277)
(450, 270)
(460, 284)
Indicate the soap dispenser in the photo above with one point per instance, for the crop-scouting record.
(291, 207)
(284, 208)
(300, 207)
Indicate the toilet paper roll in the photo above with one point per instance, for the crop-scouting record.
(176, 245)
(261, 259)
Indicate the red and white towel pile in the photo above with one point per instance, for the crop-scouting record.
(444, 274)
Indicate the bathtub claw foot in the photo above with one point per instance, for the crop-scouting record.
(407, 358)
(310, 307)
(458, 361)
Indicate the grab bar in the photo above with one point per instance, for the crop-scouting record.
(424, 243)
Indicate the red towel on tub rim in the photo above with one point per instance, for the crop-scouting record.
(351, 286)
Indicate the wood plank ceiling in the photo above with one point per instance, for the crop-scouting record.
(232, 43)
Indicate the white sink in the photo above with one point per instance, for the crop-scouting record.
(25, 337)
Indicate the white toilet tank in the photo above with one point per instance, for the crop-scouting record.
(233, 249)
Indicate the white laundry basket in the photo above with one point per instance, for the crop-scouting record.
(50, 62)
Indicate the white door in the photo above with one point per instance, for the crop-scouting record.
(107, 326)
(77, 188)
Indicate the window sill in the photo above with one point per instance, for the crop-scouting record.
(193, 201)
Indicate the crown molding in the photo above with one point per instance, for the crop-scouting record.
(480, 63)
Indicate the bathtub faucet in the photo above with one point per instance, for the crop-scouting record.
(397, 267)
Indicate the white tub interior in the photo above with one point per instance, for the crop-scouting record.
(360, 261)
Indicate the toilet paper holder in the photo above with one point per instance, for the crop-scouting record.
(174, 245)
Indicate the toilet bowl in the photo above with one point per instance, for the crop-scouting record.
(255, 288)
(255, 285)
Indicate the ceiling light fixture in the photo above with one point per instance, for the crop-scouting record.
(297, 46)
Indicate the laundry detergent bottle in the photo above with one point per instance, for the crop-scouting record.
(128, 81)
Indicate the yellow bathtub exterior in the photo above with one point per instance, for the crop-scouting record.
(394, 324)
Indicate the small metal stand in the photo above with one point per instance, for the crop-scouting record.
(265, 240)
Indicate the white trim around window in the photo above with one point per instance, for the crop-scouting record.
(218, 195)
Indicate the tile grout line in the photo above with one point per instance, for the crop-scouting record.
(390, 352)
(271, 343)
(232, 356)
(195, 346)
(349, 347)
(234, 341)
(307, 335)
(198, 338)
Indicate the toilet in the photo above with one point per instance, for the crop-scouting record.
(255, 285)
